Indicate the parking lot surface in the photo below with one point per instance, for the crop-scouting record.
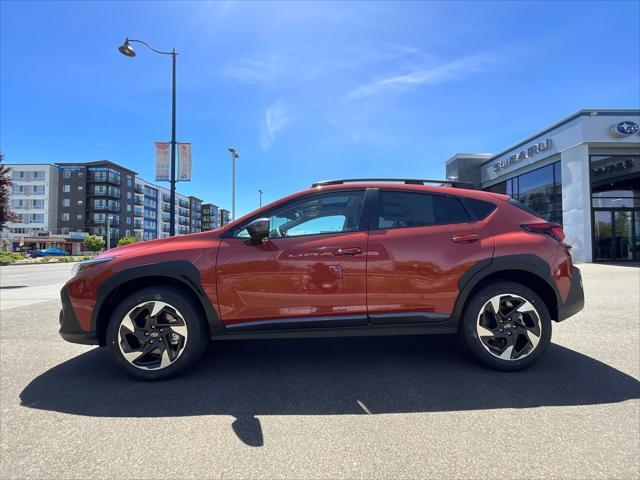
(324, 408)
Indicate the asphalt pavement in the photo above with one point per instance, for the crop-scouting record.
(409, 407)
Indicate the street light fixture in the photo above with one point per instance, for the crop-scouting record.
(260, 192)
(234, 155)
(127, 50)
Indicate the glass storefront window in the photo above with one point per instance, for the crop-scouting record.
(536, 190)
(540, 190)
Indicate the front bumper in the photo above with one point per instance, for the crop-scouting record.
(575, 298)
(70, 328)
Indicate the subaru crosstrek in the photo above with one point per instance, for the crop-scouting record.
(343, 258)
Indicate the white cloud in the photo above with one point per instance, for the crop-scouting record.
(429, 76)
(275, 120)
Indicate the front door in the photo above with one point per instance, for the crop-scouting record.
(309, 273)
(616, 234)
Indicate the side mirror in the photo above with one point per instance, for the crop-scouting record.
(258, 229)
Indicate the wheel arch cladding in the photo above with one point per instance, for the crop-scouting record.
(528, 270)
(180, 275)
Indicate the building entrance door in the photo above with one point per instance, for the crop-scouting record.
(616, 234)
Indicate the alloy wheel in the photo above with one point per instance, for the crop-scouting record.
(152, 335)
(509, 327)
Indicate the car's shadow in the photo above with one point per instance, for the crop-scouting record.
(326, 377)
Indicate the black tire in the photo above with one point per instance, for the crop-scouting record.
(480, 349)
(193, 343)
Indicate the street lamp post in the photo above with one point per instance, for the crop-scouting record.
(127, 50)
(108, 231)
(260, 192)
(234, 155)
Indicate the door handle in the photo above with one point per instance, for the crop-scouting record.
(340, 252)
(469, 238)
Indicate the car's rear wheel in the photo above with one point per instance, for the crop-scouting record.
(506, 326)
(156, 333)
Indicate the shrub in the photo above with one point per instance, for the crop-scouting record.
(94, 243)
(127, 241)
(85, 258)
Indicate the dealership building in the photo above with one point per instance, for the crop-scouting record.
(582, 172)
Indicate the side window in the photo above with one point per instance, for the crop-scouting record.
(314, 215)
(412, 209)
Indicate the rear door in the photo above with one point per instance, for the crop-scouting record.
(420, 244)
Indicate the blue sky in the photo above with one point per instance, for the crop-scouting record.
(305, 91)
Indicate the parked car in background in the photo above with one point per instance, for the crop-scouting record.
(51, 252)
(345, 257)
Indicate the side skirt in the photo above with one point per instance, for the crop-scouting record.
(351, 326)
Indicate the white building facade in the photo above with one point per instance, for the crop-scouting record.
(34, 200)
(582, 172)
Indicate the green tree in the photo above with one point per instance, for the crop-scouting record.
(127, 241)
(94, 243)
(5, 190)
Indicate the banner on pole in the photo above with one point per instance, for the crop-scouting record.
(184, 162)
(163, 164)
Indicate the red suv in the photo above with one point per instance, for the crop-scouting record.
(343, 258)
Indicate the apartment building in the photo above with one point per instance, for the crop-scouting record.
(34, 199)
(71, 200)
(225, 216)
(210, 216)
(94, 197)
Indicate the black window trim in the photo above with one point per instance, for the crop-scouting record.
(375, 209)
(363, 225)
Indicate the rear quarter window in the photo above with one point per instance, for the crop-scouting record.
(478, 209)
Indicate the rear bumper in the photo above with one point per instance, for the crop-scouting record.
(70, 328)
(575, 299)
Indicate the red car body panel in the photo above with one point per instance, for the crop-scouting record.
(292, 277)
(418, 269)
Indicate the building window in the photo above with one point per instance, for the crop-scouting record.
(79, 216)
(540, 190)
(18, 174)
(38, 189)
(65, 231)
(66, 174)
(66, 188)
(65, 217)
(80, 202)
(66, 202)
(37, 203)
(80, 188)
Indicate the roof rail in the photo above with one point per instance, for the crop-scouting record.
(407, 181)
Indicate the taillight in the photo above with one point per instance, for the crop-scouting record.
(546, 228)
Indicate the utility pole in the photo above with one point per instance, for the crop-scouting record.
(108, 231)
(260, 192)
(234, 155)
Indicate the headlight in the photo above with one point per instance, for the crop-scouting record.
(78, 267)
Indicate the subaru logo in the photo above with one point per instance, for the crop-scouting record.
(626, 128)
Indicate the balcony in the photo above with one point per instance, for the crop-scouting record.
(183, 222)
(138, 200)
(183, 203)
(139, 188)
(105, 192)
(166, 209)
(104, 208)
(101, 177)
(138, 225)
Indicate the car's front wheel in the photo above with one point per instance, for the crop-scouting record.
(506, 326)
(156, 333)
